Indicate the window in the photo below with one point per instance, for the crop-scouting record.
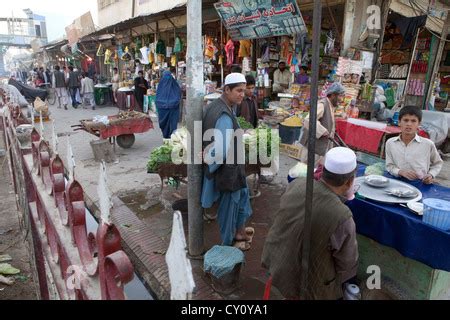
(38, 30)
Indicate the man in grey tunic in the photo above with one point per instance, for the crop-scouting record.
(334, 250)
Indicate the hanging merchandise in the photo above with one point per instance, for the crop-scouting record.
(229, 49)
(220, 60)
(100, 51)
(108, 56)
(209, 48)
(169, 51)
(126, 56)
(390, 97)
(138, 44)
(145, 53)
(178, 47)
(151, 57)
(329, 47)
(173, 60)
(161, 47)
(284, 48)
(119, 51)
(245, 48)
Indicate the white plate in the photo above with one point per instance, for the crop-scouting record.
(416, 207)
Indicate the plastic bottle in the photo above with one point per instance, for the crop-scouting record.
(352, 292)
(355, 112)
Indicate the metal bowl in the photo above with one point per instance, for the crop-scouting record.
(376, 181)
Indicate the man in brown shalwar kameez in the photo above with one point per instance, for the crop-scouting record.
(334, 250)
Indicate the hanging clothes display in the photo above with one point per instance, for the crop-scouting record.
(284, 48)
(161, 47)
(178, 47)
(245, 48)
(229, 49)
(209, 48)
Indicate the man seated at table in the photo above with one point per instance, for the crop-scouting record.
(333, 256)
(409, 155)
(282, 78)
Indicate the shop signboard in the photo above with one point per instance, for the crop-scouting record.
(252, 19)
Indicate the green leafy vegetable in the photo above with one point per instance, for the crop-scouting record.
(162, 154)
(244, 124)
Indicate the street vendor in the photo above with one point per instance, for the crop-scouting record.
(140, 89)
(302, 77)
(410, 156)
(282, 78)
(333, 255)
(326, 124)
(168, 98)
(248, 109)
(226, 182)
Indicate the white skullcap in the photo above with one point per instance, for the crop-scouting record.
(234, 78)
(340, 161)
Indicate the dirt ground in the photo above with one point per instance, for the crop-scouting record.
(12, 241)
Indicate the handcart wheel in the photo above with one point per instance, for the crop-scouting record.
(126, 140)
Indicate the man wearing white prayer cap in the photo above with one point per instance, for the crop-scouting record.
(326, 124)
(333, 259)
(224, 179)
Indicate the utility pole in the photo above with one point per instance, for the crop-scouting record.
(317, 25)
(194, 108)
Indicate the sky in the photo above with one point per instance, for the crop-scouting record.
(58, 13)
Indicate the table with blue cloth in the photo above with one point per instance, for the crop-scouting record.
(413, 256)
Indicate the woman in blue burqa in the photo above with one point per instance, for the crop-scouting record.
(168, 97)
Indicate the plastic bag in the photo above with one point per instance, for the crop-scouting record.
(40, 106)
(390, 97)
(376, 169)
(299, 170)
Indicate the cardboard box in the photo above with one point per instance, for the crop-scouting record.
(292, 151)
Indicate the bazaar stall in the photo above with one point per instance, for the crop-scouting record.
(404, 238)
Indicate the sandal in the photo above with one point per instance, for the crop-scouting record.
(250, 232)
(242, 245)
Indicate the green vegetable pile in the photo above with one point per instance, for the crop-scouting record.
(158, 156)
(244, 124)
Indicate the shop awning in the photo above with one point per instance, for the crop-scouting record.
(415, 8)
(147, 19)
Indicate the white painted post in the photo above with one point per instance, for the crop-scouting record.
(54, 139)
(32, 116)
(180, 270)
(104, 195)
(41, 125)
(70, 161)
